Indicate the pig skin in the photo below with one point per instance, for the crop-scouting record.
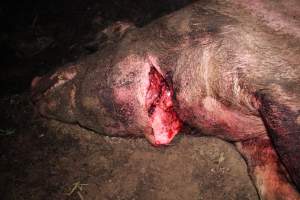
(233, 71)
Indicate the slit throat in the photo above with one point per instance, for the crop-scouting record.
(163, 119)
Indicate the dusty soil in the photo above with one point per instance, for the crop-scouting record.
(43, 159)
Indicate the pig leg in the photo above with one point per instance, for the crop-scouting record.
(282, 122)
(265, 169)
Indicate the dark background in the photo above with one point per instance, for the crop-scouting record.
(39, 35)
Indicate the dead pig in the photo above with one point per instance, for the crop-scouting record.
(227, 69)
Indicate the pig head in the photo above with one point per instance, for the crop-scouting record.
(228, 69)
(131, 97)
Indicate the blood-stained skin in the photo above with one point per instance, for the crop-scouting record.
(283, 129)
(266, 169)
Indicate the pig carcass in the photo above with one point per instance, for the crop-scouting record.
(229, 69)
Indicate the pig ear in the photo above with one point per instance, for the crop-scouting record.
(282, 124)
(118, 29)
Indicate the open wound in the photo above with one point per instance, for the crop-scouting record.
(163, 119)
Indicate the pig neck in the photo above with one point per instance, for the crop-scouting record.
(163, 119)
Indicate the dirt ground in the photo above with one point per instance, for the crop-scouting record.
(42, 159)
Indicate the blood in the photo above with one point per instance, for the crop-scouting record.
(163, 119)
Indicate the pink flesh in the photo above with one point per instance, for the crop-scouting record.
(163, 119)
